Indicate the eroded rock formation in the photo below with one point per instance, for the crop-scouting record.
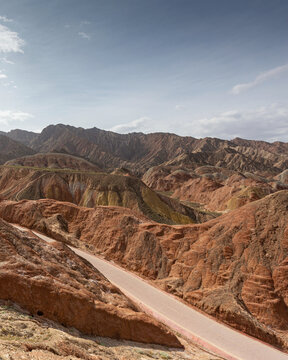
(54, 161)
(92, 189)
(233, 267)
(52, 281)
(10, 149)
(215, 188)
(138, 152)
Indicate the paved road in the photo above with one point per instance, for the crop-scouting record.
(230, 343)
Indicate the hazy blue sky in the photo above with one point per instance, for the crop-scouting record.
(193, 67)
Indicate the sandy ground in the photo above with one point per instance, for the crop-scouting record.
(23, 337)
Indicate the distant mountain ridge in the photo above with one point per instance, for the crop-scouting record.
(10, 149)
(23, 136)
(139, 152)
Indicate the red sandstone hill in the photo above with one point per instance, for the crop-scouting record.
(10, 149)
(138, 152)
(52, 281)
(233, 267)
(215, 188)
(91, 189)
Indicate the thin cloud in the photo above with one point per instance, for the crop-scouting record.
(84, 35)
(237, 89)
(85, 22)
(9, 84)
(5, 19)
(3, 76)
(268, 123)
(180, 107)
(7, 116)
(138, 125)
(10, 41)
(6, 61)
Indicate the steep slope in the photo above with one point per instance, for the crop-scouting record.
(230, 194)
(23, 136)
(109, 149)
(92, 189)
(233, 267)
(138, 152)
(215, 188)
(283, 177)
(10, 149)
(52, 281)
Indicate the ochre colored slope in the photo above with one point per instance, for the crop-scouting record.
(215, 188)
(233, 267)
(52, 281)
(54, 160)
(93, 189)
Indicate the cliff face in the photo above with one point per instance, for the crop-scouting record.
(52, 281)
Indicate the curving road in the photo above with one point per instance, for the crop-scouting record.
(205, 331)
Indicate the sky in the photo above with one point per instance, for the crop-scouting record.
(191, 67)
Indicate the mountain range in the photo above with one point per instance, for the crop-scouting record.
(202, 219)
(139, 152)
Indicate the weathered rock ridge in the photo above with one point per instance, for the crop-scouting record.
(92, 189)
(54, 161)
(139, 152)
(52, 281)
(10, 149)
(233, 267)
(215, 188)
